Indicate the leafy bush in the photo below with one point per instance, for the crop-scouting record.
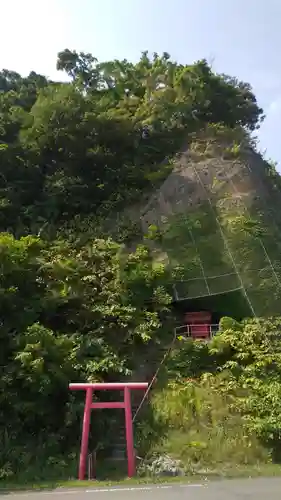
(229, 416)
(202, 427)
(250, 354)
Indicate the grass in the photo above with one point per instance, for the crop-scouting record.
(254, 471)
(202, 428)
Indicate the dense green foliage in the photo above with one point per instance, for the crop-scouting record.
(77, 302)
(221, 406)
(67, 314)
(71, 150)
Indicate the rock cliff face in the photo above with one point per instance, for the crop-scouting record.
(217, 223)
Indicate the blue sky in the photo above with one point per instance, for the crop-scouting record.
(239, 37)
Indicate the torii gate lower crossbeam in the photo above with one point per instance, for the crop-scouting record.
(89, 405)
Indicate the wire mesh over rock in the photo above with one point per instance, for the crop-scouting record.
(212, 222)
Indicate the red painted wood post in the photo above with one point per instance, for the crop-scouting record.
(129, 432)
(85, 433)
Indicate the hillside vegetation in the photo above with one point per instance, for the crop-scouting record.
(85, 291)
(219, 404)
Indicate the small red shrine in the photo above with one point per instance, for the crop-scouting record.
(198, 324)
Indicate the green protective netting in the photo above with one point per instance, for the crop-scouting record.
(223, 246)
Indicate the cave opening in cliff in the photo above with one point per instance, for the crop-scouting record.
(199, 317)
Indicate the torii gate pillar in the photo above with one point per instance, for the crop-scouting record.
(125, 404)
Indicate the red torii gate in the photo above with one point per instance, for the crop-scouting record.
(89, 405)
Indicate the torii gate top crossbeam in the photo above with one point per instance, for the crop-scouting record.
(108, 385)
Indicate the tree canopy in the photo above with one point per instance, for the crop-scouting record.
(78, 148)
